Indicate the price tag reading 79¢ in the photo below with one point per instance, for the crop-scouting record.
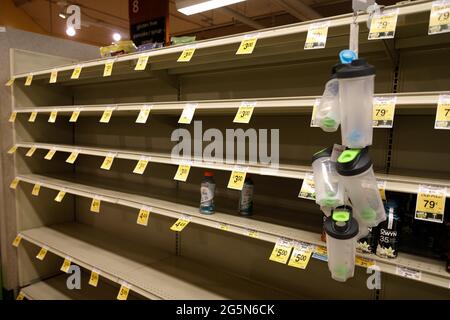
(383, 25)
(182, 172)
(281, 251)
(443, 113)
(237, 179)
(431, 203)
(300, 256)
(383, 111)
(245, 112)
(180, 224)
(317, 35)
(247, 45)
(439, 17)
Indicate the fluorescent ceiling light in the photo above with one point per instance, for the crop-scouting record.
(189, 7)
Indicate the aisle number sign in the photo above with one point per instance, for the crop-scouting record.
(247, 45)
(36, 190)
(245, 112)
(237, 179)
(281, 251)
(72, 157)
(107, 71)
(28, 80)
(123, 291)
(93, 279)
(383, 24)
(439, 17)
(53, 76)
(60, 196)
(143, 114)
(12, 150)
(52, 117)
(50, 154)
(308, 190)
(12, 117)
(106, 116)
(187, 54)
(430, 204)
(382, 189)
(188, 113)
(76, 73)
(66, 265)
(182, 172)
(17, 241)
(14, 183)
(75, 115)
(141, 63)
(301, 255)
(317, 35)
(141, 165)
(144, 214)
(32, 117)
(443, 113)
(108, 161)
(180, 224)
(95, 205)
(30, 152)
(314, 112)
(383, 111)
(42, 253)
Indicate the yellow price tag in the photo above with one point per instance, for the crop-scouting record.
(141, 165)
(12, 150)
(186, 55)
(42, 253)
(180, 224)
(314, 123)
(143, 216)
(252, 234)
(36, 190)
(32, 117)
(72, 157)
(28, 80)
(17, 241)
(308, 190)
(143, 114)
(224, 227)
(10, 82)
(20, 296)
(247, 45)
(141, 63)
(74, 116)
(60, 196)
(182, 172)
(50, 154)
(53, 115)
(76, 73)
(300, 256)
(364, 262)
(237, 180)
(430, 204)
(95, 276)
(54, 76)
(443, 113)
(106, 116)
(66, 265)
(108, 68)
(30, 152)
(317, 35)
(107, 163)
(95, 205)
(245, 112)
(383, 24)
(123, 292)
(320, 253)
(14, 183)
(383, 111)
(382, 189)
(187, 114)
(12, 117)
(281, 251)
(439, 17)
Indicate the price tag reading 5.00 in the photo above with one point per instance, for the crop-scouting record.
(301, 256)
(431, 203)
(281, 251)
(237, 179)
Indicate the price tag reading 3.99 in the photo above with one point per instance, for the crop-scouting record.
(237, 179)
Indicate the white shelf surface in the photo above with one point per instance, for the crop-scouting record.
(266, 38)
(410, 100)
(151, 273)
(55, 288)
(398, 183)
(433, 272)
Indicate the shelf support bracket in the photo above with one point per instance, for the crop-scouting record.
(165, 77)
(391, 51)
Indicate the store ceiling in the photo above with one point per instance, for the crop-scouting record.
(101, 18)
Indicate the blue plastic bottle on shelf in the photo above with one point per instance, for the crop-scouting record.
(207, 192)
(246, 197)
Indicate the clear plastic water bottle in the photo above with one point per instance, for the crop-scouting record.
(207, 192)
(246, 198)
